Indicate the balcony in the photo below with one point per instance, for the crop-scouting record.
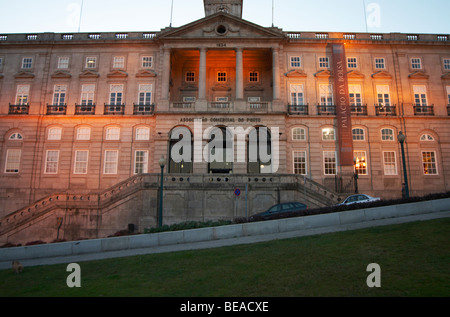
(85, 109)
(183, 105)
(382, 110)
(423, 110)
(359, 110)
(327, 110)
(18, 109)
(56, 109)
(298, 110)
(143, 110)
(221, 106)
(114, 109)
(258, 106)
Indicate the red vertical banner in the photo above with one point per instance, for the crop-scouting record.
(343, 110)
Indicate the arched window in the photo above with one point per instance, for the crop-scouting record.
(328, 134)
(220, 151)
(15, 137)
(426, 137)
(358, 134)
(180, 151)
(387, 134)
(298, 134)
(259, 151)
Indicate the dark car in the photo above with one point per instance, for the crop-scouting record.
(358, 199)
(279, 210)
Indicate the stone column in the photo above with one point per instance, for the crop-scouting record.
(276, 73)
(239, 74)
(165, 89)
(202, 75)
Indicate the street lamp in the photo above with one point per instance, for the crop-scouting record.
(401, 138)
(162, 163)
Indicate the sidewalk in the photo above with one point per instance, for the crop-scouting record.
(224, 242)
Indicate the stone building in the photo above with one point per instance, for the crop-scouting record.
(86, 117)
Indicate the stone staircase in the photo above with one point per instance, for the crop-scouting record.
(128, 196)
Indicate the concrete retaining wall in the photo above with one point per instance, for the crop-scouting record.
(223, 232)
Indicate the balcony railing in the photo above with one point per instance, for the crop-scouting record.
(56, 109)
(258, 106)
(143, 109)
(298, 109)
(382, 110)
(18, 109)
(220, 105)
(183, 105)
(423, 110)
(84, 109)
(114, 109)
(359, 110)
(326, 110)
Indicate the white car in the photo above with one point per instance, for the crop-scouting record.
(359, 198)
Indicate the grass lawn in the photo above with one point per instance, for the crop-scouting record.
(414, 260)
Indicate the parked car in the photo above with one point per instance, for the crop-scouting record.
(279, 209)
(359, 198)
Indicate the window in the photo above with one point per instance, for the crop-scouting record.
(15, 137)
(63, 62)
(299, 162)
(113, 133)
(111, 158)
(22, 96)
(296, 62)
(383, 96)
(329, 162)
(119, 62)
(355, 95)
(141, 162)
(91, 62)
(145, 94)
(380, 63)
(360, 162)
(84, 133)
(81, 162)
(352, 62)
(254, 77)
(446, 62)
(297, 95)
(420, 96)
(326, 95)
(59, 95)
(429, 163)
(142, 134)
(190, 77)
(426, 137)
(448, 94)
(389, 163)
(51, 162)
(387, 135)
(221, 77)
(298, 134)
(358, 134)
(27, 63)
(87, 95)
(54, 133)
(1, 63)
(323, 62)
(328, 134)
(147, 61)
(416, 63)
(12, 161)
(116, 95)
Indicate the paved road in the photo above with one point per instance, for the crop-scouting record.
(223, 243)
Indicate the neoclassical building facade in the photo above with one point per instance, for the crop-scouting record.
(83, 115)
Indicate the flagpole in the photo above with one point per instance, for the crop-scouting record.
(81, 14)
(171, 14)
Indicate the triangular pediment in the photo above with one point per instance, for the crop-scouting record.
(418, 75)
(61, 74)
(446, 76)
(323, 74)
(355, 74)
(89, 74)
(23, 74)
(146, 73)
(220, 25)
(296, 73)
(381, 75)
(117, 74)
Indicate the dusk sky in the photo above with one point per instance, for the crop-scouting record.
(383, 16)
